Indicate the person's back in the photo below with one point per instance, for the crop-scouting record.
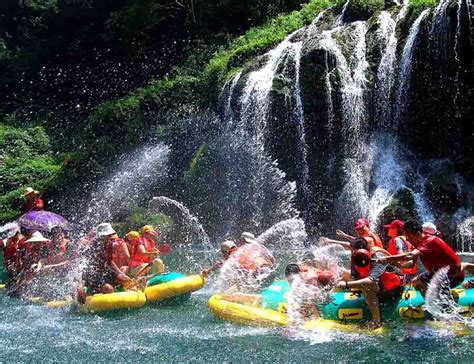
(436, 254)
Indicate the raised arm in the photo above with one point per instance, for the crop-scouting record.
(346, 245)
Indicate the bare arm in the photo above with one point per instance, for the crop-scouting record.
(415, 253)
(343, 235)
(346, 245)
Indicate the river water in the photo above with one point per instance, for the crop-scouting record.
(189, 333)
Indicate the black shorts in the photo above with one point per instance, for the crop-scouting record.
(454, 280)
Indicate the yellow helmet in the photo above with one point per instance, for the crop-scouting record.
(133, 235)
(149, 229)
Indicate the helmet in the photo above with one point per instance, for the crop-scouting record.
(133, 235)
(149, 229)
(361, 258)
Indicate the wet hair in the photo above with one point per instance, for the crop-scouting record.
(359, 243)
(412, 226)
(292, 269)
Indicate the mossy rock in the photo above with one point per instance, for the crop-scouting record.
(360, 9)
(402, 207)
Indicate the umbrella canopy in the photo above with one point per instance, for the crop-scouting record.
(42, 221)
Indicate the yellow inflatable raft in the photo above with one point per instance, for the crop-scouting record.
(245, 314)
(113, 301)
(174, 288)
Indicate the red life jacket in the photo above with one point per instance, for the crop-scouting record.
(113, 247)
(392, 249)
(390, 280)
(138, 258)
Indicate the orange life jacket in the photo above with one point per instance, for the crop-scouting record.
(376, 238)
(138, 258)
(392, 249)
(390, 280)
(309, 274)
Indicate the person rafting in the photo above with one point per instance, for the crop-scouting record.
(433, 252)
(399, 244)
(377, 280)
(10, 251)
(227, 248)
(143, 252)
(103, 271)
(245, 237)
(33, 201)
(363, 231)
(251, 266)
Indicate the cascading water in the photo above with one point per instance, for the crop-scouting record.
(405, 68)
(385, 73)
(440, 31)
(352, 73)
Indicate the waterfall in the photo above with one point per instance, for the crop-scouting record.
(385, 74)
(228, 92)
(299, 119)
(352, 73)
(405, 67)
(254, 113)
(440, 31)
(340, 19)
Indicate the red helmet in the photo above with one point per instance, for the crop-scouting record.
(361, 258)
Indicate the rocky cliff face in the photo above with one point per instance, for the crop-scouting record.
(368, 110)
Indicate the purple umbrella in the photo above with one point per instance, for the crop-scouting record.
(42, 221)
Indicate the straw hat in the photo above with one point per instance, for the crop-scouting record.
(37, 237)
(29, 190)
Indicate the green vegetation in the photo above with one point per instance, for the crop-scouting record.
(139, 217)
(192, 86)
(25, 160)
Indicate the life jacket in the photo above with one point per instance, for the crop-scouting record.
(138, 258)
(389, 280)
(392, 249)
(309, 274)
(376, 238)
(113, 247)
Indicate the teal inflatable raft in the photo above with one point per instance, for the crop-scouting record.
(351, 306)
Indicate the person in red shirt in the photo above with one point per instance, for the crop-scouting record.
(433, 252)
(104, 269)
(32, 201)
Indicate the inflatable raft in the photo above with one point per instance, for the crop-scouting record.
(167, 288)
(344, 307)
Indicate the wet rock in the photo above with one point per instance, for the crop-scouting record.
(361, 9)
(446, 190)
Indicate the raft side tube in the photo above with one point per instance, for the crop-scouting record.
(176, 287)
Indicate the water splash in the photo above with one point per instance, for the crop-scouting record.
(285, 234)
(188, 224)
(133, 175)
(439, 300)
(405, 68)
